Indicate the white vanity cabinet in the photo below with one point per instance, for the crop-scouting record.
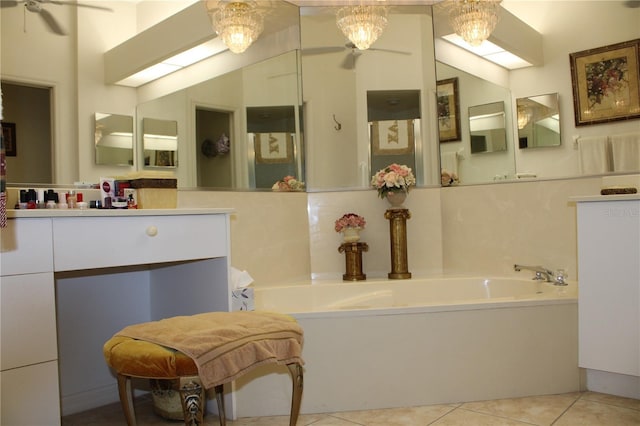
(28, 348)
(70, 279)
(609, 292)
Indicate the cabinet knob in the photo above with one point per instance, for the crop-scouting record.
(152, 231)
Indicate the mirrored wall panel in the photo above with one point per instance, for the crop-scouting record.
(538, 121)
(487, 128)
(160, 142)
(113, 135)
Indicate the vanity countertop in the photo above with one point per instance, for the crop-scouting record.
(12, 213)
(599, 198)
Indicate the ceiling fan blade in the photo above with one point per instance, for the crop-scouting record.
(390, 51)
(53, 24)
(72, 3)
(349, 61)
(321, 50)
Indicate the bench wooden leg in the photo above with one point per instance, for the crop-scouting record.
(296, 397)
(193, 401)
(126, 399)
(219, 390)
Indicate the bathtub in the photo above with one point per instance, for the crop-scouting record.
(382, 344)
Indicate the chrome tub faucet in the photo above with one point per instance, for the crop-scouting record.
(542, 274)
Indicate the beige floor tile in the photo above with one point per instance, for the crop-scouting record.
(462, 417)
(612, 400)
(303, 420)
(539, 410)
(592, 413)
(410, 416)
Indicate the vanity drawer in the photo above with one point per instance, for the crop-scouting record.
(25, 246)
(28, 320)
(99, 242)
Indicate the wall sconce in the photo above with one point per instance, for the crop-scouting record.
(238, 23)
(362, 25)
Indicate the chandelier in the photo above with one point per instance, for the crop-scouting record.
(238, 23)
(362, 25)
(474, 20)
(524, 115)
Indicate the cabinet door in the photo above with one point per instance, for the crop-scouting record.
(25, 246)
(30, 396)
(609, 294)
(28, 320)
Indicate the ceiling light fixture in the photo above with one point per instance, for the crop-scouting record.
(362, 24)
(474, 20)
(238, 23)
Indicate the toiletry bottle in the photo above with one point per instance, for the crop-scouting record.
(32, 196)
(131, 203)
(72, 200)
(23, 199)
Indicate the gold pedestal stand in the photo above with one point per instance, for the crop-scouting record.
(353, 260)
(398, 237)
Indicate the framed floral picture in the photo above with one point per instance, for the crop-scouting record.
(448, 110)
(606, 83)
(393, 137)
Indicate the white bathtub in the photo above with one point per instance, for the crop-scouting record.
(380, 344)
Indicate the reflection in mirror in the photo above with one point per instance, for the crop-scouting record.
(339, 82)
(217, 112)
(273, 133)
(113, 139)
(538, 121)
(454, 155)
(394, 119)
(160, 142)
(487, 128)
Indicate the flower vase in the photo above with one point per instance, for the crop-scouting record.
(351, 235)
(395, 199)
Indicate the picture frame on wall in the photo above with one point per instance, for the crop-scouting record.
(606, 83)
(393, 137)
(9, 139)
(448, 110)
(273, 148)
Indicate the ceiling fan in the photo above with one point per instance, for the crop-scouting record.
(353, 53)
(36, 6)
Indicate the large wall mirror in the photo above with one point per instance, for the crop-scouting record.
(355, 100)
(538, 121)
(218, 117)
(487, 128)
(160, 142)
(113, 139)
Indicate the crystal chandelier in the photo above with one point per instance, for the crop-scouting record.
(238, 23)
(362, 24)
(474, 20)
(523, 117)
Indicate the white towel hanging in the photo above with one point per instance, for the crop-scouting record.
(625, 152)
(593, 155)
(450, 161)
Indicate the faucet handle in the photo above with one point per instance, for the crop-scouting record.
(539, 277)
(560, 277)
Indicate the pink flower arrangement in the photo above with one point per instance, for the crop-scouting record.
(288, 183)
(393, 178)
(350, 220)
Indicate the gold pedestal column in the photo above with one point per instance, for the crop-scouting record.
(353, 260)
(398, 237)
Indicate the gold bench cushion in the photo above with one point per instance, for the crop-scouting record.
(139, 358)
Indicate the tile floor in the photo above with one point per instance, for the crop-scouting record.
(572, 409)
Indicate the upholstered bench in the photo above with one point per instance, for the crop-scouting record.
(205, 351)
